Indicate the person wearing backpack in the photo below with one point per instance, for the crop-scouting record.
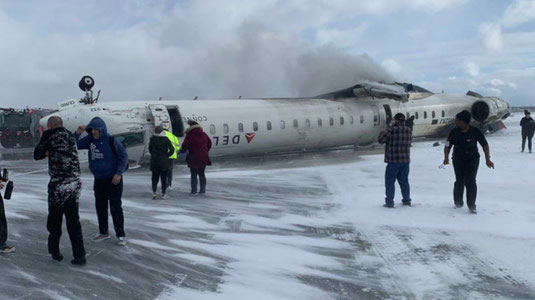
(108, 161)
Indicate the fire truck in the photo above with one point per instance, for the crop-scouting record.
(19, 128)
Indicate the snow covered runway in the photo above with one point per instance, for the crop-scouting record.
(292, 227)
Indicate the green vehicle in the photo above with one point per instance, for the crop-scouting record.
(20, 128)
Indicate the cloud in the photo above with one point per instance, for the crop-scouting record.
(471, 69)
(491, 35)
(519, 12)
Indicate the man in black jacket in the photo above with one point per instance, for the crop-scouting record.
(59, 145)
(528, 128)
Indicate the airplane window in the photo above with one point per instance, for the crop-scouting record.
(320, 122)
(416, 115)
(425, 115)
(433, 114)
(131, 139)
(296, 124)
(443, 114)
(351, 120)
(283, 125)
(307, 123)
(361, 119)
(268, 124)
(212, 129)
(240, 127)
(225, 128)
(255, 126)
(408, 116)
(341, 120)
(331, 121)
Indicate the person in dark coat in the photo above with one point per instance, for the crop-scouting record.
(160, 148)
(4, 247)
(528, 129)
(198, 144)
(64, 188)
(410, 122)
(464, 138)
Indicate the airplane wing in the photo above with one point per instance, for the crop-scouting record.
(396, 91)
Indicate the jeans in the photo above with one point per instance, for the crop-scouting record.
(3, 224)
(156, 176)
(74, 228)
(399, 172)
(529, 137)
(202, 177)
(465, 176)
(106, 192)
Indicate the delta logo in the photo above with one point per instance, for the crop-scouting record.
(250, 136)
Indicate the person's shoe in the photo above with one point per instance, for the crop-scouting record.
(459, 204)
(163, 196)
(193, 194)
(406, 203)
(154, 196)
(169, 188)
(473, 210)
(388, 205)
(202, 192)
(57, 256)
(101, 237)
(121, 241)
(7, 249)
(79, 261)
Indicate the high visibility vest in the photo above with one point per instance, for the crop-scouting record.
(175, 142)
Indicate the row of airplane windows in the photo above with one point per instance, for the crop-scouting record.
(269, 126)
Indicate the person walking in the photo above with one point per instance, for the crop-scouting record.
(464, 138)
(64, 188)
(528, 129)
(397, 139)
(410, 122)
(176, 145)
(160, 149)
(198, 144)
(4, 247)
(108, 161)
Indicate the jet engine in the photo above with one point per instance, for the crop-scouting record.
(488, 110)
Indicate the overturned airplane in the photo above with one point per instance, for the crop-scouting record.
(352, 116)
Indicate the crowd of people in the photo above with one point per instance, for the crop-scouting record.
(108, 161)
(463, 138)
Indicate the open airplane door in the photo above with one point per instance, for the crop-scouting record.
(160, 115)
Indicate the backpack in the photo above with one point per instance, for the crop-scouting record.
(114, 150)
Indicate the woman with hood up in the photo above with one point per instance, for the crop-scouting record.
(198, 144)
(160, 149)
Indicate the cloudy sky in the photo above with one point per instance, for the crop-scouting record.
(271, 48)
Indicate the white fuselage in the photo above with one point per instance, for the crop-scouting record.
(252, 127)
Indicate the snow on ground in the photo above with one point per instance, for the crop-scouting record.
(294, 227)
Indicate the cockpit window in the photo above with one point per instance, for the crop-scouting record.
(131, 139)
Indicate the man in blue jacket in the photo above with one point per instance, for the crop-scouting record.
(107, 161)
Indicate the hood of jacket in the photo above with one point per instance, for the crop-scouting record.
(98, 124)
(195, 130)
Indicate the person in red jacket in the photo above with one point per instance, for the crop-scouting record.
(198, 144)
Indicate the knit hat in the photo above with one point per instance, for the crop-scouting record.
(526, 112)
(464, 116)
(158, 129)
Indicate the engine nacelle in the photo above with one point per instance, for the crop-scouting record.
(490, 109)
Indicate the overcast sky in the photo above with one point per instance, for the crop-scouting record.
(144, 50)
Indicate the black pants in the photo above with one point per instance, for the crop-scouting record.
(465, 176)
(74, 228)
(156, 176)
(202, 177)
(107, 192)
(170, 175)
(526, 136)
(3, 224)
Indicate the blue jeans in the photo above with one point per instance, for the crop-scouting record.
(399, 171)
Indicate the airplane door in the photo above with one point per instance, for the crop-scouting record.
(388, 112)
(160, 115)
(376, 115)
